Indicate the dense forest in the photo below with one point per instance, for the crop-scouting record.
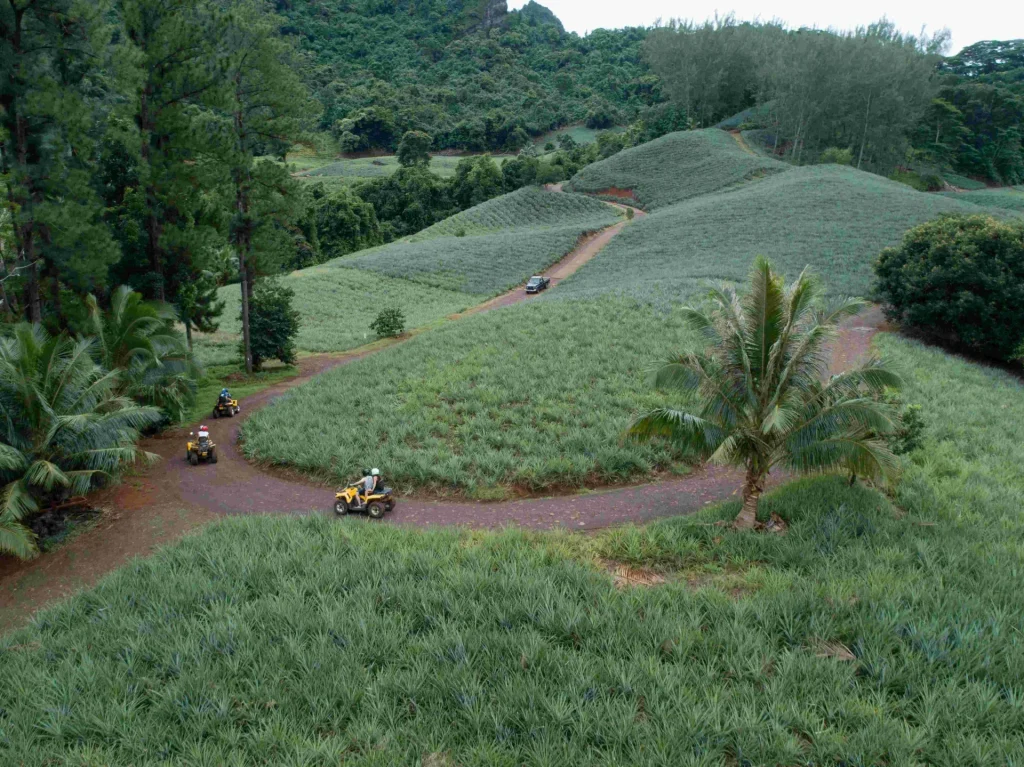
(471, 74)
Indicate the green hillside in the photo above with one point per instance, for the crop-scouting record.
(526, 208)
(336, 306)
(533, 396)
(468, 72)
(676, 167)
(309, 641)
(832, 218)
(432, 275)
(1006, 198)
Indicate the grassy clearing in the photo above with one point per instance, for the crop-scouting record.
(581, 134)
(964, 182)
(528, 208)
(865, 636)
(532, 396)
(832, 218)
(676, 167)
(337, 306)
(350, 170)
(1006, 198)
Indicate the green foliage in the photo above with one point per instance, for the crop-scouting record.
(335, 306)
(527, 396)
(529, 208)
(477, 179)
(470, 74)
(675, 167)
(138, 339)
(494, 246)
(834, 219)
(273, 323)
(414, 149)
(64, 426)
(908, 435)
(762, 403)
(865, 89)
(345, 222)
(836, 156)
(960, 280)
(198, 306)
(963, 182)
(531, 611)
(481, 265)
(1004, 198)
(389, 323)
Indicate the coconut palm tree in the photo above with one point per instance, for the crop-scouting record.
(139, 337)
(765, 396)
(62, 425)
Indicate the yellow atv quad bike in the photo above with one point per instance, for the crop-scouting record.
(377, 505)
(202, 449)
(226, 409)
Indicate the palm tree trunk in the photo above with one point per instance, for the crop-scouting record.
(753, 486)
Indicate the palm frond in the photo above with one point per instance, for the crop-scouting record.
(694, 434)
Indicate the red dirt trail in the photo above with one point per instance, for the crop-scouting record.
(160, 503)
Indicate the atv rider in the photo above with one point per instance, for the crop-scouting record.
(204, 433)
(369, 484)
(224, 398)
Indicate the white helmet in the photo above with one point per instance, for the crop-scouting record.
(375, 473)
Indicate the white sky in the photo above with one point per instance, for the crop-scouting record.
(969, 22)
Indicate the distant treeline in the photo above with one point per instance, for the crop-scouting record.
(886, 99)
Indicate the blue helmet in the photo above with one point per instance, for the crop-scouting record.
(223, 391)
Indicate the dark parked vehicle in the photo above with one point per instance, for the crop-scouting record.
(537, 284)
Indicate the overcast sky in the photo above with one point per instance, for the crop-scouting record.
(969, 22)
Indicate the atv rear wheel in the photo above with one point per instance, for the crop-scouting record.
(213, 455)
(341, 507)
(375, 510)
(193, 459)
(216, 414)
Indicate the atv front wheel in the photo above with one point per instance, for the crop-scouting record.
(375, 510)
(341, 507)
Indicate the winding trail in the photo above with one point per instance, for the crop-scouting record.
(164, 501)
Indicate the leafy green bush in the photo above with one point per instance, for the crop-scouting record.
(64, 426)
(273, 323)
(389, 323)
(414, 149)
(959, 280)
(836, 156)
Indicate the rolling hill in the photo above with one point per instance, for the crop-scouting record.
(449, 267)
(675, 167)
(831, 218)
(533, 397)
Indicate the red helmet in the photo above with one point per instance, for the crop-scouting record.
(204, 427)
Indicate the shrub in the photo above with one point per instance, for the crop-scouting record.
(959, 280)
(389, 323)
(629, 214)
(836, 156)
(273, 323)
(549, 147)
(414, 149)
(65, 425)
